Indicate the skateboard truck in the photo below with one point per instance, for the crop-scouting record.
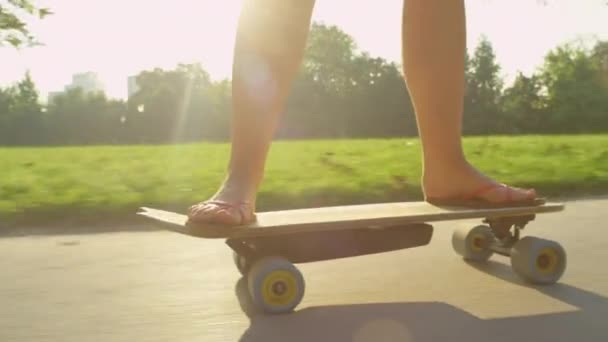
(507, 230)
(501, 227)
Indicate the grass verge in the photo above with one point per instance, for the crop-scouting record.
(52, 184)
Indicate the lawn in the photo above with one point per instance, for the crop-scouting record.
(55, 183)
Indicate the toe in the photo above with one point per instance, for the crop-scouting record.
(221, 212)
(199, 209)
(192, 210)
(212, 213)
(506, 193)
(518, 194)
(207, 209)
(531, 194)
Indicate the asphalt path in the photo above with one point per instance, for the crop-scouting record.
(143, 284)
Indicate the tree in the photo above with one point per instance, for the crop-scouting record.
(379, 103)
(26, 96)
(7, 98)
(523, 106)
(21, 113)
(600, 56)
(176, 105)
(483, 90)
(576, 94)
(328, 57)
(13, 28)
(219, 96)
(328, 63)
(341, 92)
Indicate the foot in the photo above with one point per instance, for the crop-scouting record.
(232, 205)
(464, 185)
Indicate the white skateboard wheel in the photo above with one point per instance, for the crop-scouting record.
(537, 260)
(275, 285)
(472, 243)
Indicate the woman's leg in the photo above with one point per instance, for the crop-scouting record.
(434, 43)
(270, 42)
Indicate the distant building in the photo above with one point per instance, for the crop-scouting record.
(132, 86)
(89, 82)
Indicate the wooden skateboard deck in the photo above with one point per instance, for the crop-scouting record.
(338, 218)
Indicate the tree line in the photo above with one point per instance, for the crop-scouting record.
(339, 92)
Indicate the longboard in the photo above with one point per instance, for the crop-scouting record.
(338, 218)
(266, 250)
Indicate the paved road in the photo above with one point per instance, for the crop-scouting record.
(161, 286)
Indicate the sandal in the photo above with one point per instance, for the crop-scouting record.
(246, 216)
(474, 201)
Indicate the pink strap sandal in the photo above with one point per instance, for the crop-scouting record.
(474, 201)
(243, 208)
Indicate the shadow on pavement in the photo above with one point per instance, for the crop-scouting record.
(432, 321)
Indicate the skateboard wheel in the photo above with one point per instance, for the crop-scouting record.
(537, 260)
(275, 285)
(242, 263)
(472, 243)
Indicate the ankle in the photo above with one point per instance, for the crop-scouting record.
(239, 186)
(439, 166)
(439, 176)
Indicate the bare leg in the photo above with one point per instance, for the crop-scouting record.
(269, 47)
(434, 42)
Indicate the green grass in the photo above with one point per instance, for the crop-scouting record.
(47, 184)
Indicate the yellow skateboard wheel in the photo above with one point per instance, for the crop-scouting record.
(472, 243)
(537, 260)
(275, 285)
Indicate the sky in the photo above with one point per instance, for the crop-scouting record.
(119, 38)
